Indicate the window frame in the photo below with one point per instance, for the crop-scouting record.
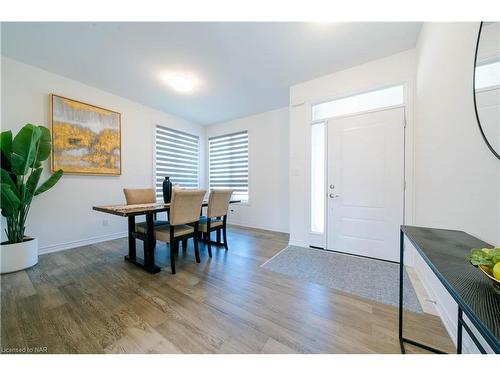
(354, 94)
(324, 124)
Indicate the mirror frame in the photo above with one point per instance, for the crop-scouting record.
(474, 92)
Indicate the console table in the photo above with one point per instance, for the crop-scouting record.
(445, 252)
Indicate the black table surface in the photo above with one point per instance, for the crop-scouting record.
(445, 251)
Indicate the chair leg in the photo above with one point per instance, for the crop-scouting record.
(224, 233)
(196, 252)
(218, 237)
(209, 245)
(172, 257)
(184, 245)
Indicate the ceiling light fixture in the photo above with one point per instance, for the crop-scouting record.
(181, 82)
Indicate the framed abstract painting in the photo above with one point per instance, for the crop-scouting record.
(86, 139)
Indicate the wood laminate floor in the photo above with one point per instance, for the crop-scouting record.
(89, 300)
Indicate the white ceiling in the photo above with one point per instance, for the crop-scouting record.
(245, 68)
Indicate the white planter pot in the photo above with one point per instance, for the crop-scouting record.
(18, 256)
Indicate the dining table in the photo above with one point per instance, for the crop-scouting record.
(131, 211)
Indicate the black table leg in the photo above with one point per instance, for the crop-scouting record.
(459, 331)
(131, 238)
(401, 272)
(462, 324)
(149, 245)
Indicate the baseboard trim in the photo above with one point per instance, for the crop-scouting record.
(258, 227)
(78, 243)
(108, 237)
(293, 242)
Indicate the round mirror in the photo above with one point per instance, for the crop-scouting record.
(487, 84)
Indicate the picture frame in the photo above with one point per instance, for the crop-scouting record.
(86, 138)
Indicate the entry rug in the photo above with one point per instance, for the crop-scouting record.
(372, 279)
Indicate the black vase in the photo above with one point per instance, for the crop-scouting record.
(167, 190)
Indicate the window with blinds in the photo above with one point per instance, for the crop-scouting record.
(228, 163)
(177, 156)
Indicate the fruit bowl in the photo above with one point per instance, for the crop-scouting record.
(487, 271)
(488, 261)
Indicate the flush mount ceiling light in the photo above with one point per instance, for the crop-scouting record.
(181, 82)
(324, 22)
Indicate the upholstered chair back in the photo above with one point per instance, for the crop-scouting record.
(218, 202)
(185, 206)
(139, 196)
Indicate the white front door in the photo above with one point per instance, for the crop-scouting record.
(366, 183)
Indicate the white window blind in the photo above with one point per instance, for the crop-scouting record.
(177, 156)
(228, 163)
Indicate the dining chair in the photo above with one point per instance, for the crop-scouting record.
(216, 219)
(185, 208)
(142, 196)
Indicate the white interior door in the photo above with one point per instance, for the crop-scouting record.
(366, 183)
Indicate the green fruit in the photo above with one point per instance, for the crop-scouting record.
(496, 271)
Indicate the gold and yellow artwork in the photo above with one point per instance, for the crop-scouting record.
(85, 139)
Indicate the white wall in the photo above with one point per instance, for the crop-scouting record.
(453, 181)
(63, 216)
(395, 69)
(457, 180)
(268, 169)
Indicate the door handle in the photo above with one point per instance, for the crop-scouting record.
(334, 195)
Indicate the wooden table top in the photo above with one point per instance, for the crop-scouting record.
(126, 210)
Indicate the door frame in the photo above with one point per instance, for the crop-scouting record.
(403, 195)
(318, 240)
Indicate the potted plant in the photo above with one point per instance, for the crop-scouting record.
(21, 168)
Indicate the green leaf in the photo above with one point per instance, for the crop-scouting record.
(7, 179)
(44, 144)
(24, 149)
(31, 184)
(50, 182)
(481, 257)
(6, 149)
(495, 258)
(6, 142)
(9, 201)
